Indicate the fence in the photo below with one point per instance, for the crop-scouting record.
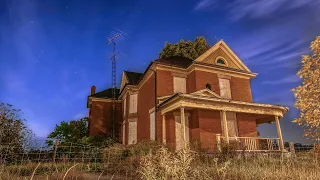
(118, 162)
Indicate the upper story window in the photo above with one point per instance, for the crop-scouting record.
(225, 91)
(133, 103)
(179, 85)
(124, 106)
(221, 61)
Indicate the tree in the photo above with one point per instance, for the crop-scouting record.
(14, 134)
(71, 131)
(76, 131)
(308, 94)
(188, 49)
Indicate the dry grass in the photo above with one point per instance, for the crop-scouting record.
(152, 161)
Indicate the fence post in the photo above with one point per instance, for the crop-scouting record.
(55, 150)
(218, 138)
(292, 150)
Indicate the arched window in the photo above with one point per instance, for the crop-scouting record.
(221, 62)
(208, 86)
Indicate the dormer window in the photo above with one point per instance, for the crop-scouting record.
(220, 61)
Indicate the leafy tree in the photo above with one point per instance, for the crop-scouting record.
(188, 49)
(307, 95)
(77, 131)
(14, 134)
(72, 131)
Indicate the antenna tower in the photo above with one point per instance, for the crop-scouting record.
(113, 38)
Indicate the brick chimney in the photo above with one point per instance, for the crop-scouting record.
(93, 90)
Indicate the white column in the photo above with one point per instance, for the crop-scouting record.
(279, 133)
(183, 126)
(164, 129)
(225, 126)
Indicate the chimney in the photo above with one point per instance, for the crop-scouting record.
(93, 90)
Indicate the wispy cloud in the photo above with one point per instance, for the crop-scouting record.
(288, 79)
(253, 9)
(204, 4)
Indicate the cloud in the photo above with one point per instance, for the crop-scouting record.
(254, 9)
(288, 79)
(80, 115)
(204, 4)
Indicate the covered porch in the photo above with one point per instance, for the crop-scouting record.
(215, 121)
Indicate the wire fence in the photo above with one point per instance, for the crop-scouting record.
(116, 162)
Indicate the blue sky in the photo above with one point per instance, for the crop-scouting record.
(52, 51)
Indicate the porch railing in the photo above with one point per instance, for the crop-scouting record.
(250, 143)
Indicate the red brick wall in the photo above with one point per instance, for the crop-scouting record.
(145, 103)
(202, 78)
(210, 125)
(164, 83)
(191, 85)
(170, 130)
(194, 125)
(100, 119)
(247, 126)
(240, 89)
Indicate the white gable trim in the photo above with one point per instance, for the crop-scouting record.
(205, 92)
(221, 44)
(124, 80)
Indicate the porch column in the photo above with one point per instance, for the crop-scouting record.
(279, 134)
(183, 126)
(164, 129)
(225, 126)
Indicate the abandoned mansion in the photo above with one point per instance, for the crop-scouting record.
(177, 100)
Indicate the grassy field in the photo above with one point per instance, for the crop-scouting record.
(145, 161)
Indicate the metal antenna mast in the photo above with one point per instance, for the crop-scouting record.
(112, 39)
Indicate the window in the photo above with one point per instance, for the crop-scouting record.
(152, 127)
(124, 106)
(232, 124)
(222, 62)
(132, 134)
(179, 133)
(208, 86)
(133, 103)
(179, 85)
(225, 91)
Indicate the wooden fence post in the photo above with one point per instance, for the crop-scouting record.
(55, 150)
(292, 150)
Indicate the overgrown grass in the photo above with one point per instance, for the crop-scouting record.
(150, 160)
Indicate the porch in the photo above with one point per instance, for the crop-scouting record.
(224, 129)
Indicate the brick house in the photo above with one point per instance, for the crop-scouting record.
(208, 99)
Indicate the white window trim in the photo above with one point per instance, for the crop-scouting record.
(132, 136)
(152, 124)
(124, 105)
(236, 123)
(220, 87)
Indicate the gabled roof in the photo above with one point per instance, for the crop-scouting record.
(221, 45)
(176, 61)
(206, 93)
(133, 77)
(105, 94)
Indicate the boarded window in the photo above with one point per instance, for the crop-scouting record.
(232, 124)
(123, 133)
(152, 127)
(132, 135)
(178, 132)
(179, 85)
(225, 91)
(124, 106)
(133, 103)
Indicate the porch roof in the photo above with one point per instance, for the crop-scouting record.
(206, 99)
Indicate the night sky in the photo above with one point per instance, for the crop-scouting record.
(52, 51)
